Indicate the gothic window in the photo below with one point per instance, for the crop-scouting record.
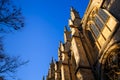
(104, 16)
(89, 35)
(94, 30)
(98, 22)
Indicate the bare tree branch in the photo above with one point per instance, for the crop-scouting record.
(10, 19)
(10, 16)
(10, 64)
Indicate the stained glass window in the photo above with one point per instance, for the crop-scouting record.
(103, 15)
(94, 29)
(98, 22)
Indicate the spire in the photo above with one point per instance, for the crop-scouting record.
(61, 48)
(75, 20)
(60, 44)
(65, 29)
(72, 9)
(43, 78)
(52, 61)
(74, 14)
(67, 36)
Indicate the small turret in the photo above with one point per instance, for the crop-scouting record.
(74, 14)
(51, 73)
(60, 49)
(67, 35)
(75, 20)
(52, 61)
(43, 78)
(61, 46)
(65, 28)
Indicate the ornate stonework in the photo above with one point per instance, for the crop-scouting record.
(91, 49)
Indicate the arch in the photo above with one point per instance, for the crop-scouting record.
(110, 63)
(89, 18)
(91, 13)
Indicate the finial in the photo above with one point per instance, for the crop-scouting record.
(60, 43)
(43, 78)
(65, 28)
(74, 14)
(52, 60)
(72, 8)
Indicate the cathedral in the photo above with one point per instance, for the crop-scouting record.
(91, 48)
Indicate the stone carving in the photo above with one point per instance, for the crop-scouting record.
(112, 66)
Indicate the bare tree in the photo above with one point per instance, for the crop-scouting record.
(10, 64)
(10, 19)
(10, 16)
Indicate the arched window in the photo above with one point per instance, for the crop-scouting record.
(89, 35)
(101, 24)
(94, 30)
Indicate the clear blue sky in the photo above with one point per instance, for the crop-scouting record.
(38, 41)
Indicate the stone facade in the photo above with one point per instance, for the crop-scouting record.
(91, 49)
